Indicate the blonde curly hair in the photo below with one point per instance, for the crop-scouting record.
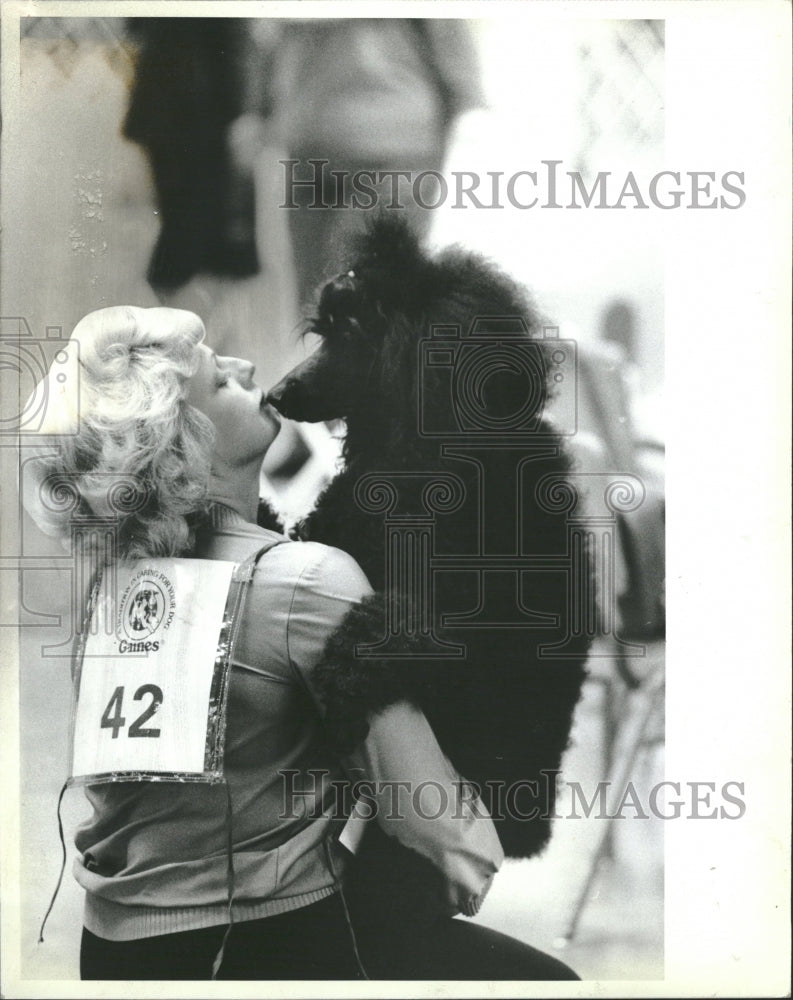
(141, 455)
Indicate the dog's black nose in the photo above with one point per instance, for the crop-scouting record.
(281, 395)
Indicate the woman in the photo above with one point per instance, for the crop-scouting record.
(190, 429)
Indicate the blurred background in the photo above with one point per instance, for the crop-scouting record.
(147, 171)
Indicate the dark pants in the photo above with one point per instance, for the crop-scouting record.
(314, 942)
(458, 949)
(394, 898)
(310, 943)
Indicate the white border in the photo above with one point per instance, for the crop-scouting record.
(727, 337)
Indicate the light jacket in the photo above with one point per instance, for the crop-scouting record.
(153, 857)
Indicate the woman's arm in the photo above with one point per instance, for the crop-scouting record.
(398, 771)
(404, 779)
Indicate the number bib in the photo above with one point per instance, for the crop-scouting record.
(152, 674)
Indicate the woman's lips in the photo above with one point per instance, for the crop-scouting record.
(267, 409)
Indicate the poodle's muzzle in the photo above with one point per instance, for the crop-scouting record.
(316, 389)
(290, 398)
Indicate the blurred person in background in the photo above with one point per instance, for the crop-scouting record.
(363, 94)
(187, 89)
(209, 94)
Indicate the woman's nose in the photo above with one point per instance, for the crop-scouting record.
(243, 370)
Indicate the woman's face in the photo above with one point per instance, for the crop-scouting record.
(224, 390)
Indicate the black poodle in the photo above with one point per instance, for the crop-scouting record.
(441, 369)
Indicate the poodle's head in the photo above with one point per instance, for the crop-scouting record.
(372, 320)
(362, 318)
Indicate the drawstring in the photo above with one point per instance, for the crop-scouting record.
(229, 883)
(63, 862)
(338, 881)
(242, 576)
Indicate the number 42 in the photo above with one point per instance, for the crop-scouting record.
(116, 720)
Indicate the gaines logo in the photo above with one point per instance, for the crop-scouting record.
(146, 607)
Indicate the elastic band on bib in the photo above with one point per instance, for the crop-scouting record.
(229, 883)
(340, 885)
(63, 862)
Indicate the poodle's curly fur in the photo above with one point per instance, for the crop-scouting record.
(502, 713)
